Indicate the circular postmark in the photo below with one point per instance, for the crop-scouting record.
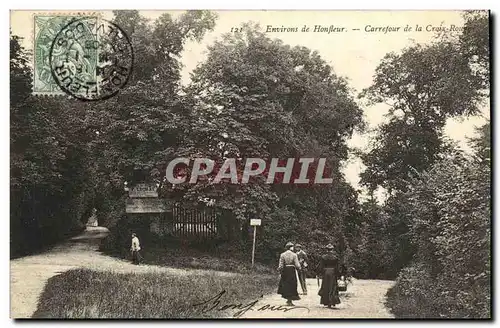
(91, 59)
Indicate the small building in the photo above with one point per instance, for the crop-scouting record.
(176, 220)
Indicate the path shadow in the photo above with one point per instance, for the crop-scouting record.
(346, 295)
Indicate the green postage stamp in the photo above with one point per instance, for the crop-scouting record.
(83, 56)
(46, 29)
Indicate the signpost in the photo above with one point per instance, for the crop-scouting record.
(143, 198)
(143, 190)
(254, 223)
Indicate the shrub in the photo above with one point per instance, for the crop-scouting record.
(450, 211)
(414, 294)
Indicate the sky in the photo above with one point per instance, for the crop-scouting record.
(354, 53)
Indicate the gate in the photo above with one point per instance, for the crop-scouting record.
(175, 219)
(199, 222)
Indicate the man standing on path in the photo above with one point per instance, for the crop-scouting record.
(303, 267)
(135, 248)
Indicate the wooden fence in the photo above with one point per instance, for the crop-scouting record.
(188, 222)
(195, 222)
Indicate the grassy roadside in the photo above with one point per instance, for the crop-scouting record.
(84, 293)
(178, 257)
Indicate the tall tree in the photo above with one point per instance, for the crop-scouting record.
(475, 45)
(51, 180)
(424, 86)
(257, 97)
(373, 255)
(144, 126)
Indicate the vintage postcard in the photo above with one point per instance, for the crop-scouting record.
(250, 164)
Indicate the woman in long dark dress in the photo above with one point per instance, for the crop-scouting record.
(288, 264)
(329, 270)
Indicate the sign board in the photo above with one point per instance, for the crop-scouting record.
(143, 190)
(146, 205)
(255, 222)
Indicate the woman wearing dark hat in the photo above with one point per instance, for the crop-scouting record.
(288, 264)
(329, 269)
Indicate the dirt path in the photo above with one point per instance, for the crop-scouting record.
(28, 275)
(364, 299)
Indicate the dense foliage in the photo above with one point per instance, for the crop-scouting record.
(68, 157)
(242, 102)
(433, 230)
(257, 97)
(286, 105)
(449, 209)
(51, 184)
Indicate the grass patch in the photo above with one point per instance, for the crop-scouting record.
(197, 259)
(189, 257)
(83, 293)
(171, 251)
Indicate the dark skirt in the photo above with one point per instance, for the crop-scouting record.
(288, 284)
(329, 290)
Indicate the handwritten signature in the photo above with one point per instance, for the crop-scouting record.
(214, 304)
